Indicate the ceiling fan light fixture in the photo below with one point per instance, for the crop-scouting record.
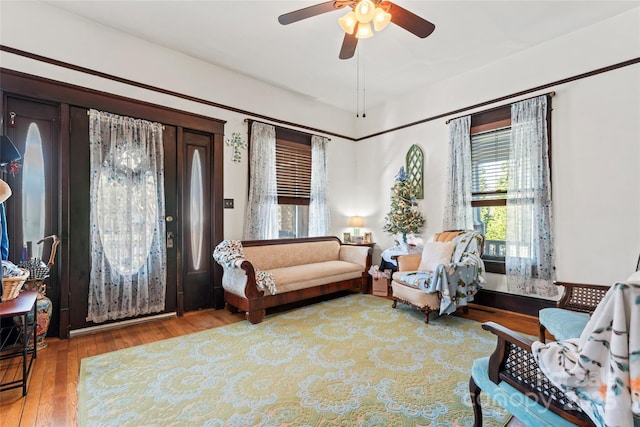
(348, 22)
(364, 11)
(381, 19)
(364, 31)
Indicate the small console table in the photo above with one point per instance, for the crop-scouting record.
(18, 335)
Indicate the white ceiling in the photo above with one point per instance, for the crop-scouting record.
(245, 36)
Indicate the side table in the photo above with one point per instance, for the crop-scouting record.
(17, 338)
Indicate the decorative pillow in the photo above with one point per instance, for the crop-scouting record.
(436, 253)
(635, 277)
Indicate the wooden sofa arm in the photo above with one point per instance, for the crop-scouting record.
(580, 296)
(251, 290)
(513, 363)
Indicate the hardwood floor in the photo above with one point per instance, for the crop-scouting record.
(52, 389)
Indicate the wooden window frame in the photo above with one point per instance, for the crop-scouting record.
(300, 150)
(486, 121)
(489, 120)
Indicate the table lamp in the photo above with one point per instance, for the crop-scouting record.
(356, 222)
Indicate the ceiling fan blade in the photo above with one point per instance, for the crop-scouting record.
(349, 44)
(409, 20)
(307, 12)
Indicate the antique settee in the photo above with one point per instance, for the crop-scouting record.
(260, 274)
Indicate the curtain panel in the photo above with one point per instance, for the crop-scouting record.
(319, 221)
(128, 253)
(530, 259)
(458, 214)
(261, 221)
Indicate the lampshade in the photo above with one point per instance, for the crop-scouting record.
(356, 221)
(365, 10)
(348, 22)
(381, 19)
(8, 151)
(364, 31)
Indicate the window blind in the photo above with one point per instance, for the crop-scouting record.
(490, 164)
(293, 172)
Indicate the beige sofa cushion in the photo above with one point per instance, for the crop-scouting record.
(269, 257)
(314, 274)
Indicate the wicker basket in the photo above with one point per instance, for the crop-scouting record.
(11, 286)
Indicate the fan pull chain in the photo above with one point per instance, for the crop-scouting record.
(361, 74)
(358, 84)
(364, 86)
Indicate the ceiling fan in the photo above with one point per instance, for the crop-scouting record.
(357, 22)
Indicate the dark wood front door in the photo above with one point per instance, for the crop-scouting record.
(32, 209)
(79, 230)
(197, 263)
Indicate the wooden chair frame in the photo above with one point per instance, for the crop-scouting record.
(577, 297)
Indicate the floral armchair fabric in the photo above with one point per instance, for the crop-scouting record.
(457, 281)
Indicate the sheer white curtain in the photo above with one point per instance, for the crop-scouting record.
(530, 255)
(261, 221)
(458, 214)
(319, 221)
(128, 254)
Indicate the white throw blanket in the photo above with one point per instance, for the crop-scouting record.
(600, 371)
(229, 255)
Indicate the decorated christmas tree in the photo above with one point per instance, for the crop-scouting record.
(404, 216)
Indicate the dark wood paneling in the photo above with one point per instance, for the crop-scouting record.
(45, 116)
(79, 229)
(197, 282)
(133, 83)
(169, 138)
(51, 90)
(64, 261)
(516, 303)
(217, 210)
(492, 115)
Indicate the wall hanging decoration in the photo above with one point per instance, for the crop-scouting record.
(415, 170)
(237, 143)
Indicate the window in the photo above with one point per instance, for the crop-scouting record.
(490, 140)
(490, 145)
(490, 168)
(293, 175)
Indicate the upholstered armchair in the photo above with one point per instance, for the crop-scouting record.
(570, 315)
(444, 277)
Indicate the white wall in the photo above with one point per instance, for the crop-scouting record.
(596, 126)
(595, 145)
(41, 29)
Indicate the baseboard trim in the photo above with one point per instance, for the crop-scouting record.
(118, 325)
(511, 302)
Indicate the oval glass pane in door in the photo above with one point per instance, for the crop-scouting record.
(196, 209)
(33, 190)
(127, 208)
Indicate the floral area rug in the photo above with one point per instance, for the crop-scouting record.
(350, 361)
